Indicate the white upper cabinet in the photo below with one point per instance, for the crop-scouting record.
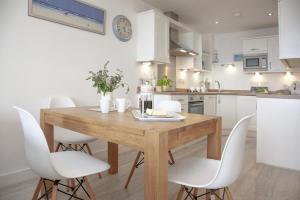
(153, 37)
(289, 28)
(255, 46)
(275, 65)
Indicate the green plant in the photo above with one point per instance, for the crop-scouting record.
(164, 81)
(104, 82)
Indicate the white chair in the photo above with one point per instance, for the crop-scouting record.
(66, 138)
(213, 175)
(54, 167)
(170, 107)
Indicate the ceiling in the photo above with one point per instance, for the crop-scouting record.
(203, 14)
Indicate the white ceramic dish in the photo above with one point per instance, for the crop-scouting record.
(175, 117)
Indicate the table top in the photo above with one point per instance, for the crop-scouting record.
(125, 120)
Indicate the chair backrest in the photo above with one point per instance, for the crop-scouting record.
(233, 154)
(60, 102)
(169, 106)
(36, 147)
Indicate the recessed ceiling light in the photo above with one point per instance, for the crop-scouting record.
(270, 14)
(217, 22)
(237, 14)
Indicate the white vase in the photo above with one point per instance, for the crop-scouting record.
(104, 106)
(105, 102)
(107, 96)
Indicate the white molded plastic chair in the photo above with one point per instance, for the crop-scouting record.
(65, 136)
(212, 174)
(170, 107)
(56, 166)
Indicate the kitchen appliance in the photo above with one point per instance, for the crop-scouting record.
(257, 62)
(196, 104)
(175, 48)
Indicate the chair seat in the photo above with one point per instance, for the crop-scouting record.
(74, 164)
(194, 172)
(66, 136)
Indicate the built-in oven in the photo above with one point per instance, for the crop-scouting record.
(196, 104)
(257, 62)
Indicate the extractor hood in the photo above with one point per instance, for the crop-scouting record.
(177, 50)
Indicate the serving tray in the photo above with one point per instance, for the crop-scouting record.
(174, 118)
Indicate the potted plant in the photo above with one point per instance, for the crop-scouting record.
(106, 83)
(164, 83)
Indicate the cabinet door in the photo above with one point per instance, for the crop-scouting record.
(183, 99)
(275, 65)
(226, 108)
(162, 39)
(289, 28)
(246, 105)
(210, 105)
(152, 37)
(255, 46)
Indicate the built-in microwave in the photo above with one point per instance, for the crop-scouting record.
(257, 62)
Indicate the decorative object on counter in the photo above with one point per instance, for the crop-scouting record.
(71, 13)
(146, 98)
(215, 58)
(106, 84)
(260, 90)
(238, 57)
(122, 28)
(164, 84)
(122, 104)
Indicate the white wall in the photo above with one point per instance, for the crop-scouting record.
(39, 59)
(227, 45)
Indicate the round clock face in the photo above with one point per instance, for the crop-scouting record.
(122, 28)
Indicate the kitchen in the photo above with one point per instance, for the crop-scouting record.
(242, 59)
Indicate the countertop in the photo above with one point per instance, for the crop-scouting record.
(232, 92)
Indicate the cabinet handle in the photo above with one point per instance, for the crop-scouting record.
(270, 64)
(254, 49)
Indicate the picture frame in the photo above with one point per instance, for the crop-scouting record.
(73, 13)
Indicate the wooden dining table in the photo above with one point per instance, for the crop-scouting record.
(154, 138)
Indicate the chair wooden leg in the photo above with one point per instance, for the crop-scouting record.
(54, 192)
(90, 152)
(180, 193)
(133, 168)
(228, 194)
(195, 193)
(171, 157)
(37, 189)
(89, 189)
(57, 147)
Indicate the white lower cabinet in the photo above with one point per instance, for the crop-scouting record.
(247, 105)
(210, 105)
(231, 108)
(226, 108)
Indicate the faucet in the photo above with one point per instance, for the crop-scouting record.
(219, 85)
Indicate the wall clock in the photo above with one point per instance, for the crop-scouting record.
(122, 28)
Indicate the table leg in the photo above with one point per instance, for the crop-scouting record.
(214, 144)
(49, 135)
(156, 166)
(113, 158)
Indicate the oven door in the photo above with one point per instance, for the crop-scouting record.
(196, 107)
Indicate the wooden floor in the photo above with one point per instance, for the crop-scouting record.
(257, 181)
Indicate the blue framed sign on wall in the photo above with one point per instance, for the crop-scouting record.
(72, 13)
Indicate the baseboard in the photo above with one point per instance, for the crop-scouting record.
(22, 175)
(15, 177)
